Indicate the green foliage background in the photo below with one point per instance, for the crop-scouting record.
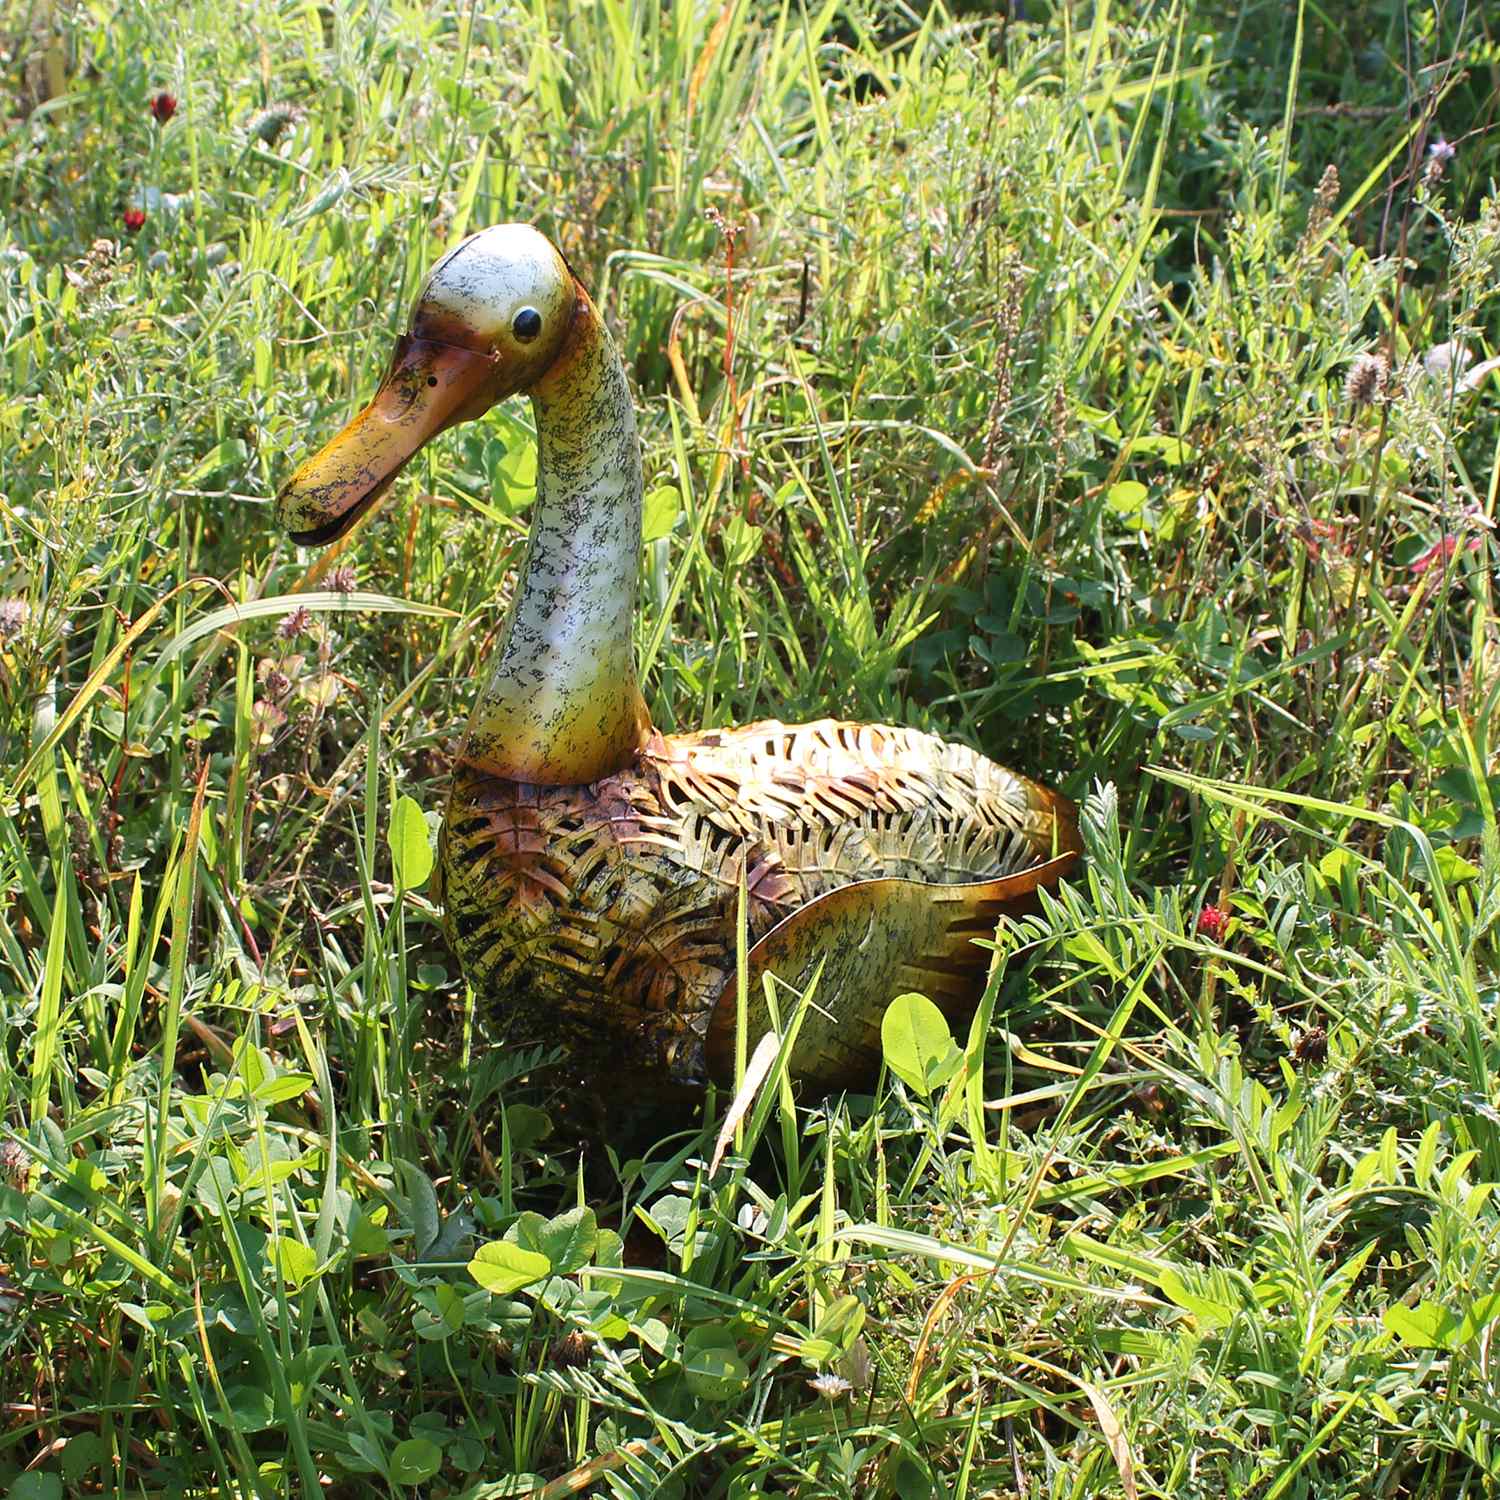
(1008, 375)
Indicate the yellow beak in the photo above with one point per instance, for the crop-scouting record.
(430, 386)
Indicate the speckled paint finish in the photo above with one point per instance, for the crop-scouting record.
(560, 705)
(590, 868)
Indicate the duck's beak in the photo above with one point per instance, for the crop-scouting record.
(429, 386)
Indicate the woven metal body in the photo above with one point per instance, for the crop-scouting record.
(604, 916)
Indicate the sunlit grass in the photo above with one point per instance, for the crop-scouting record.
(991, 377)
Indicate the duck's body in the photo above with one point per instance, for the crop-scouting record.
(606, 913)
(591, 868)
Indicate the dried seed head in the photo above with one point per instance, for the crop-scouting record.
(1328, 189)
(1367, 379)
(572, 1349)
(98, 265)
(1007, 342)
(1321, 209)
(1311, 1046)
(271, 123)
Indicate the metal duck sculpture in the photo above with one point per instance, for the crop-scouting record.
(590, 867)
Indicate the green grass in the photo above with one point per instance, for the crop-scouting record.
(992, 378)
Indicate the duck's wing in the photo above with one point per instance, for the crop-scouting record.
(832, 803)
(866, 943)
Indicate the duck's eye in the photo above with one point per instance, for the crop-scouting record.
(526, 324)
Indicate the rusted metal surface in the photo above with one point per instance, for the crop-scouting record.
(590, 867)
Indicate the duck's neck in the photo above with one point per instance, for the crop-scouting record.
(561, 706)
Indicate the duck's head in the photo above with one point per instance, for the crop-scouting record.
(495, 314)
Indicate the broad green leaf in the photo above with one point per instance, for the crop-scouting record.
(440, 1311)
(568, 1240)
(422, 1216)
(411, 848)
(917, 1043)
(741, 542)
(1452, 865)
(527, 1124)
(712, 1364)
(1477, 1317)
(501, 1267)
(35, 1486)
(1171, 450)
(1126, 497)
(415, 1461)
(277, 1090)
(659, 514)
(1428, 1325)
(251, 1408)
(1208, 1295)
(518, 468)
(296, 1261)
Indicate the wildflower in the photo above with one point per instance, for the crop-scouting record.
(1439, 154)
(278, 674)
(295, 623)
(132, 219)
(1437, 556)
(163, 106)
(1212, 923)
(13, 613)
(15, 1164)
(1367, 379)
(830, 1386)
(342, 580)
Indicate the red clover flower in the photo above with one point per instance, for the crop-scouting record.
(1213, 922)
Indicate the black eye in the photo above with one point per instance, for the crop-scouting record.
(526, 324)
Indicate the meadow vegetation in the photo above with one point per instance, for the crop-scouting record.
(1109, 386)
